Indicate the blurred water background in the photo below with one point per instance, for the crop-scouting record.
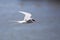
(46, 12)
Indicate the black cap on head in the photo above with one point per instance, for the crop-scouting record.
(33, 20)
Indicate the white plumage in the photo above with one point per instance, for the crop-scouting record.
(26, 17)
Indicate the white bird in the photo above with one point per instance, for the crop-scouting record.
(27, 18)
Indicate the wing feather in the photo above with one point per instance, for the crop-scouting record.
(27, 15)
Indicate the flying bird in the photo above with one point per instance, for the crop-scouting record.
(27, 18)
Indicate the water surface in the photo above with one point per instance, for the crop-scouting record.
(47, 13)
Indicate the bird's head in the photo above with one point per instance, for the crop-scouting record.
(33, 20)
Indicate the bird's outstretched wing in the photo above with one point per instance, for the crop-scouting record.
(27, 15)
(21, 21)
